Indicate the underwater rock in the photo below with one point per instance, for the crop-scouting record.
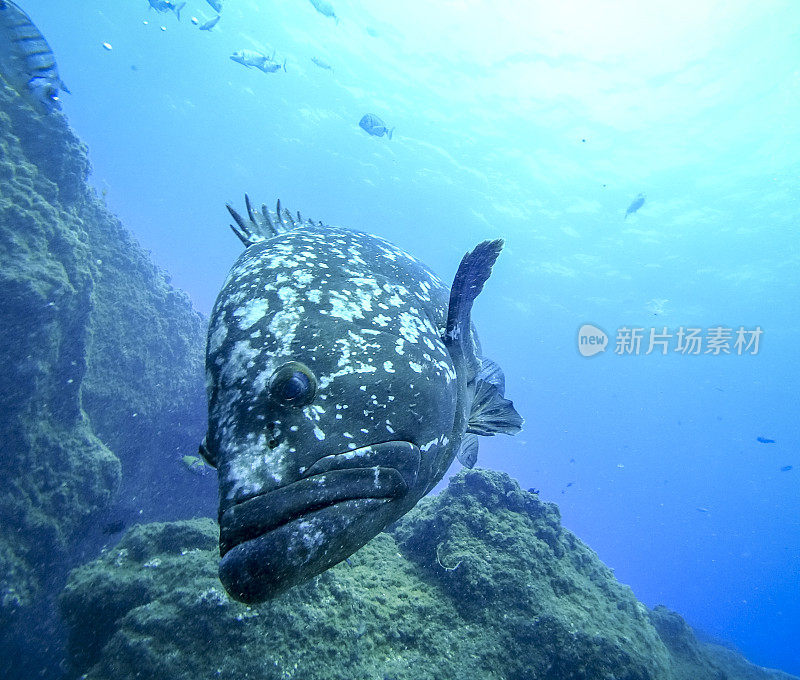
(56, 471)
(102, 384)
(480, 582)
(508, 565)
(693, 659)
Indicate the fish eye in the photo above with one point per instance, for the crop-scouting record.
(293, 384)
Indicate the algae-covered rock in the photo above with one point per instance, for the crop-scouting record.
(480, 582)
(507, 564)
(149, 612)
(101, 391)
(56, 471)
(693, 659)
(511, 608)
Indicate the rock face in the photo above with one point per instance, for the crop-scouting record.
(481, 582)
(102, 389)
(695, 660)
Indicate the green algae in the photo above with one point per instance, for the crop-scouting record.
(58, 471)
(102, 363)
(395, 611)
(481, 582)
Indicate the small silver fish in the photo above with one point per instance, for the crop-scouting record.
(270, 66)
(322, 64)
(26, 60)
(374, 126)
(167, 6)
(325, 9)
(208, 25)
(637, 203)
(249, 58)
(258, 60)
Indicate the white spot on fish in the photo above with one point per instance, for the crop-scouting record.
(217, 337)
(251, 313)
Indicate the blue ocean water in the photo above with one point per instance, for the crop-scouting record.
(540, 123)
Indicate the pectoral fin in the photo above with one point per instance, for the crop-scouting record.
(493, 374)
(468, 451)
(491, 412)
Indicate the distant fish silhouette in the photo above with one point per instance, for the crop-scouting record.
(325, 9)
(637, 203)
(322, 64)
(764, 440)
(111, 528)
(260, 61)
(786, 468)
(195, 464)
(374, 126)
(167, 6)
(208, 25)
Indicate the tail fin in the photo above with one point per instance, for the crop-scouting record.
(284, 65)
(389, 133)
(178, 9)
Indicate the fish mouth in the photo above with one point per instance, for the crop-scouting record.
(383, 472)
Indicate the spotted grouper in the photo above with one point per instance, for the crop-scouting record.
(343, 377)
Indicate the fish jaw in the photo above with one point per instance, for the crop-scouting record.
(275, 540)
(274, 562)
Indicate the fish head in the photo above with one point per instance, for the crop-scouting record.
(332, 402)
(45, 94)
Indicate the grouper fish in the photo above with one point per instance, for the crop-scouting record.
(26, 60)
(343, 377)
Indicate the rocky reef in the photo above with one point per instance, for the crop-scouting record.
(101, 395)
(479, 582)
(102, 387)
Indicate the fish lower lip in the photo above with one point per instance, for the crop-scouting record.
(384, 471)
